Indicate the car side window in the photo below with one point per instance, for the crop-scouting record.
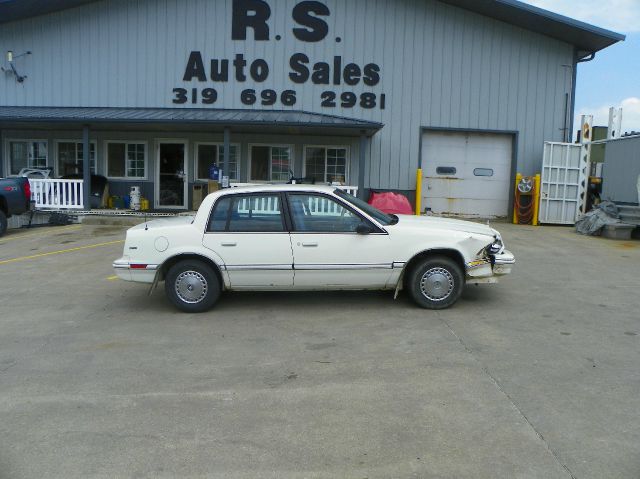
(256, 214)
(219, 216)
(321, 214)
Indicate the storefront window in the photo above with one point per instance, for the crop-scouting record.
(270, 163)
(210, 153)
(126, 160)
(27, 154)
(326, 164)
(70, 158)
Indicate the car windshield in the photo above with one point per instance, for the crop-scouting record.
(382, 218)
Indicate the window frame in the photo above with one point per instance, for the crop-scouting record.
(377, 230)
(57, 142)
(347, 160)
(218, 144)
(7, 144)
(292, 151)
(127, 143)
(284, 214)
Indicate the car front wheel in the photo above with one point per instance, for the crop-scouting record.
(192, 286)
(436, 282)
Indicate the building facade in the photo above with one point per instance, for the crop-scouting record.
(359, 92)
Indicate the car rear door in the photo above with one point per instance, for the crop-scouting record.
(249, 232)
(327, 251)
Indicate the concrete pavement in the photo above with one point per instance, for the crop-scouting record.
(533, 377)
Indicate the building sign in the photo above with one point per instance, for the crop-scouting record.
(333, 76)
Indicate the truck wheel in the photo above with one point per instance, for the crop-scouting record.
(436, 283)
(192, 286)
(3, 223)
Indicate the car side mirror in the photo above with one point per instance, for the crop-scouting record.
(364, 229)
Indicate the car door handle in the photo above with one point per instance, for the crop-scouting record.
(229, 245)
(310, 245)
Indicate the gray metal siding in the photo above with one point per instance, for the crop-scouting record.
(621, 170)
(442, 66)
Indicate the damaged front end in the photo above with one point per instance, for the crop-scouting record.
(491, 262)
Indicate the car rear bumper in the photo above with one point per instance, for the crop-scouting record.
(134, 271)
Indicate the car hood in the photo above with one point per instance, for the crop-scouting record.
(409, 221)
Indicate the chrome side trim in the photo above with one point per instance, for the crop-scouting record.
(398, 265)
(338, 267)
(259, 267)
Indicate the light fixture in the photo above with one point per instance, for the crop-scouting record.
(12, 70)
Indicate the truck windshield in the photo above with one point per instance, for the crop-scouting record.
(382, 218)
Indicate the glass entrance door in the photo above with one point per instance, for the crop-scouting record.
(171, 189)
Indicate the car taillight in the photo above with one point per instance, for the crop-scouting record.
(27, 190)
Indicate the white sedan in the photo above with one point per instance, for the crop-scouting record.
(303, 237)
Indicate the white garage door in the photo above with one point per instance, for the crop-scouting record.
(466, 174)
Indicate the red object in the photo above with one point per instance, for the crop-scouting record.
(27, 190)
(391, 203)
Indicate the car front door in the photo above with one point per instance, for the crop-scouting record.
(328, 252)
(249, 233)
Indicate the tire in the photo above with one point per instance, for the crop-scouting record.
(192, 286)
(436, 282)
(3, 223)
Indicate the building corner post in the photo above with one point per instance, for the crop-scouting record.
(86, 168)
(226, 154)
(361, 165)
(1, 156)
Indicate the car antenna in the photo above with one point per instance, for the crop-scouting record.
(146, 225)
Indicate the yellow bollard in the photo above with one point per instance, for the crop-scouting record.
(515, 205)
(536, 198)
(419, 192)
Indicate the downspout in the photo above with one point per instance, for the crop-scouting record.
(576, 60)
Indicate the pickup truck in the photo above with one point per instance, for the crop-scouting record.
(15, 199)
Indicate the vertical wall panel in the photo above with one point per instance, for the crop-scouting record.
(441, 67)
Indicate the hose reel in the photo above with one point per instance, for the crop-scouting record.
(525, 201)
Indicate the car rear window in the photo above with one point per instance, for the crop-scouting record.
(219, 216)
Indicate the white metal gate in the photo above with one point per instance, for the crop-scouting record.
(564, 183)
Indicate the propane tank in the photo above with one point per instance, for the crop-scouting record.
(135, 198)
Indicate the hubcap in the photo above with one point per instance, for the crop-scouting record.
(191, 287)
(437, 284)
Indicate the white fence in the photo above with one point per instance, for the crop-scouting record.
(270, 205)
(352, 190)
(57, 194)
(68, 195)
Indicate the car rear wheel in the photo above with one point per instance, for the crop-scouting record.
(3, 223)
(436, 283)
(192, 286)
